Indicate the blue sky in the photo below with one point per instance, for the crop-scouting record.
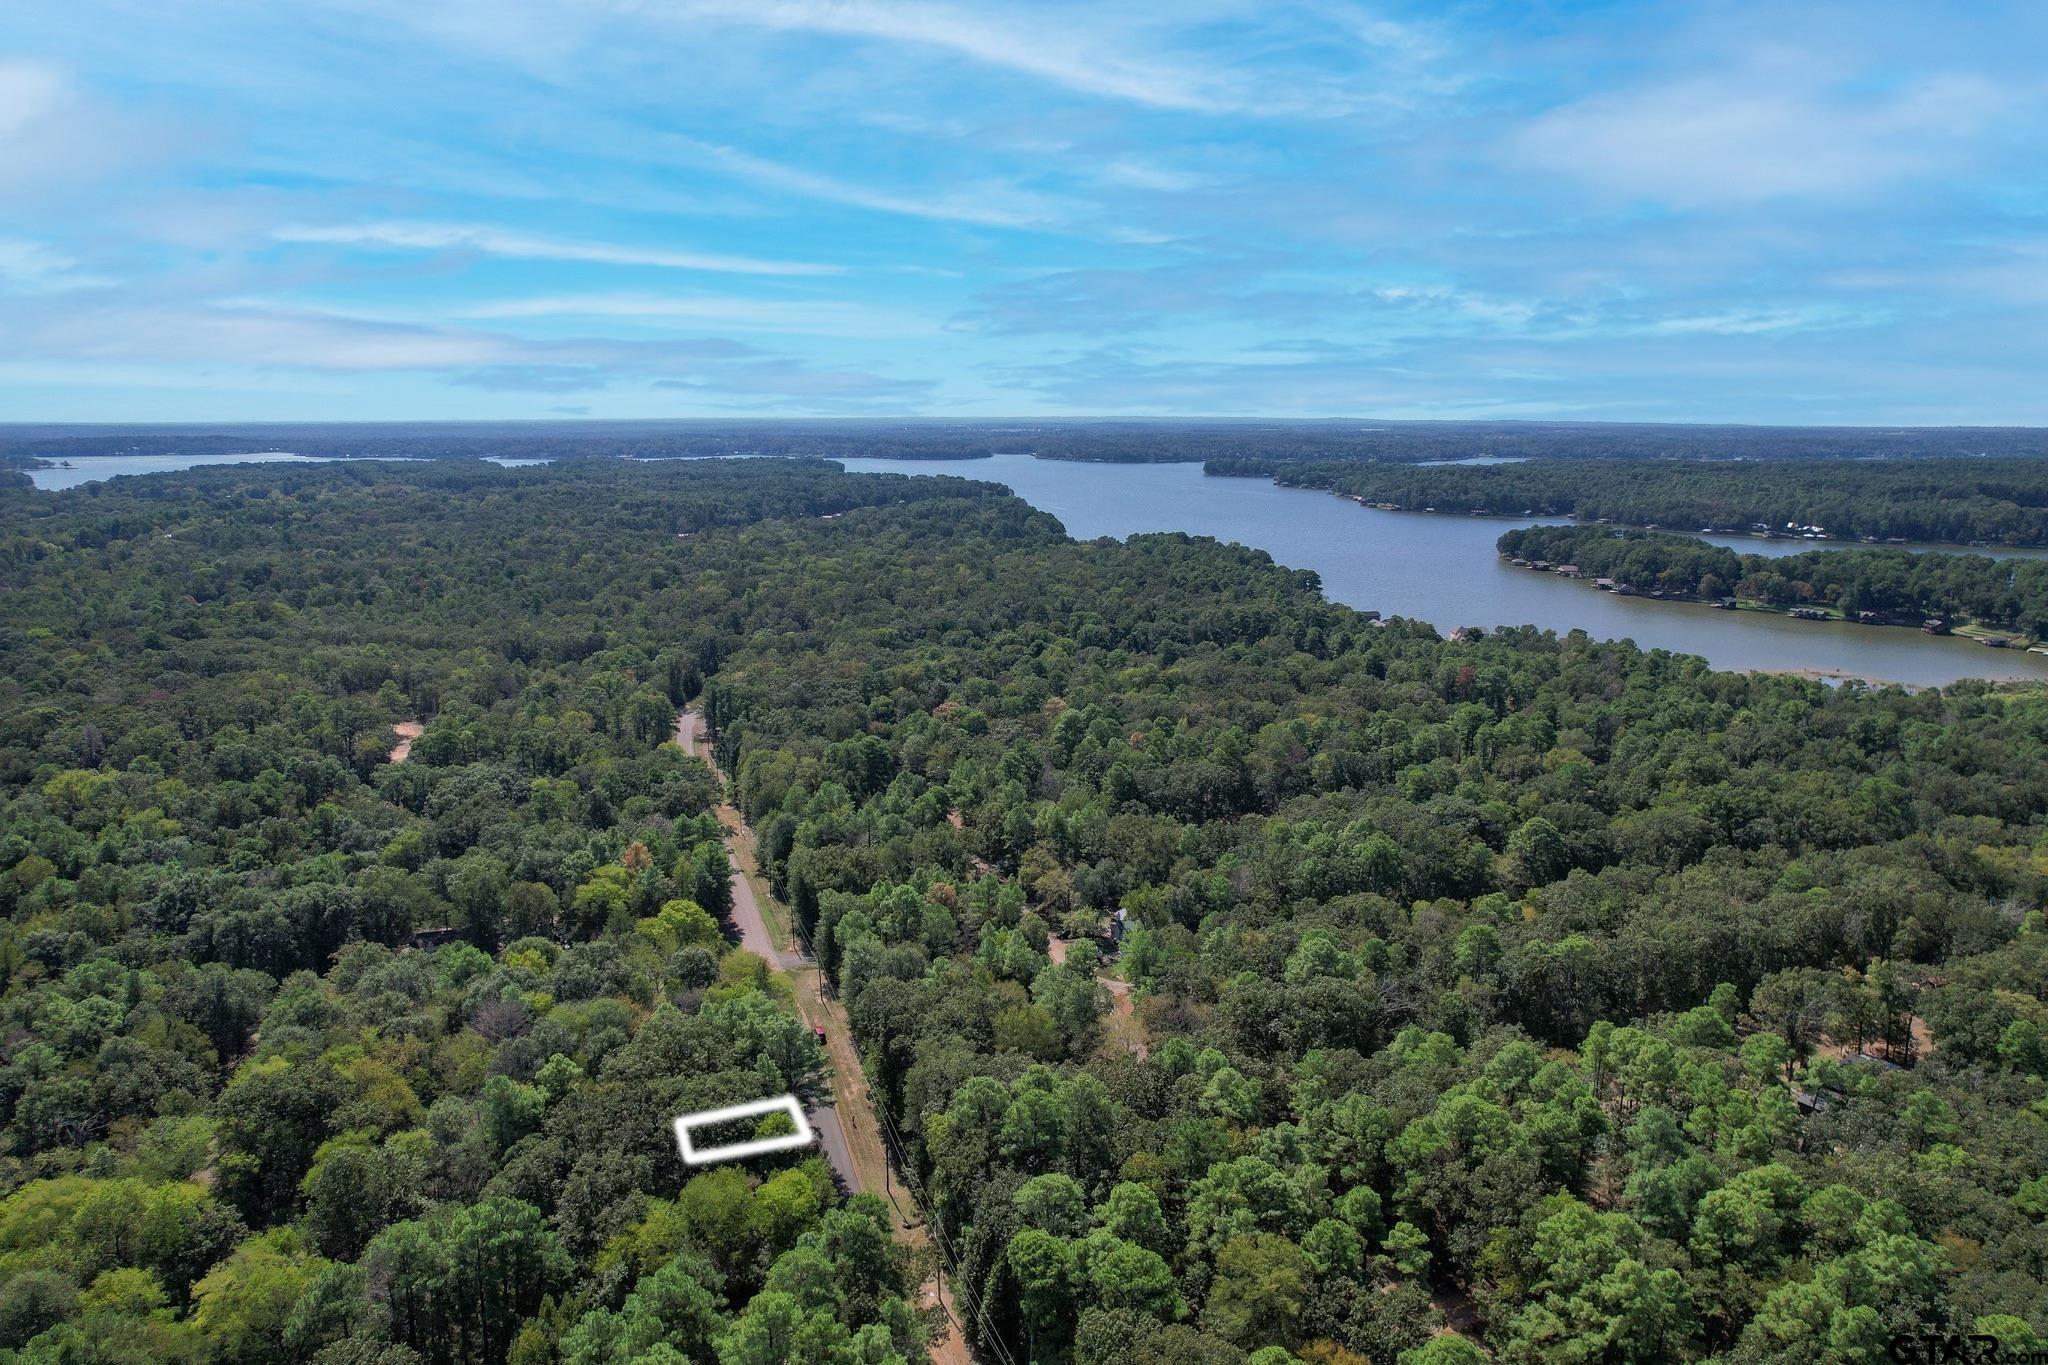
(219, 209)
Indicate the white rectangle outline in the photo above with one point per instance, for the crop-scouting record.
(734, 1151)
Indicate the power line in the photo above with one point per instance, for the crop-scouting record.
(945, 1242)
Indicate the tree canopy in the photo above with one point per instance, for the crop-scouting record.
(1582, 1000)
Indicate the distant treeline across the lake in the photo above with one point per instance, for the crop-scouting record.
(32, 445)
(1964, 501)
(1219, 443)
(1895, 585)
(1099, 439)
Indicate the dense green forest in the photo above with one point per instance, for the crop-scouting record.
(1897, 585)
(1589, 1002)
(1991, 501)
(247, 1120)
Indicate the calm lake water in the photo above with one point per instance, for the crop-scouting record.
(93, 468)
(1443, 569)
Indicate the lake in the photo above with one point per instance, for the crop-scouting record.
(1443, 569)
(94, 468)
(83, 469)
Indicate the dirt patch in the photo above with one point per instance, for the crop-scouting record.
(1122, 1027)
(1461, 1314)
(407, 731)
(1876, 1050)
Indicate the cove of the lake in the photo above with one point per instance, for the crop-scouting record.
(1443, 569)
(77, 470)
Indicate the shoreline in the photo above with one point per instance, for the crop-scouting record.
(1977, 632)
(1827, 542)
(1838, 675)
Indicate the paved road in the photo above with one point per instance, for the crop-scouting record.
(690, 735)
(849, 1122)
(756, 938)
(746, 906)
(752, 924)
(832, 1138)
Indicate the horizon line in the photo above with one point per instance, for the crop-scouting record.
(1214, 419)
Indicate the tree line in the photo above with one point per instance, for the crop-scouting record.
(1958, 501)
(1890, 585)
(1103, 439)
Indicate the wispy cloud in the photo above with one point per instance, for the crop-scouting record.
(1057, 47)
(1263, 290)
(273, 339)
(536, 378)
(819, 317)
(2009, 273)
(28, 267)
(1752, 322)
(809, 387)
(186, 333)
(1759, 132)
(1141, 175)
(495, 241)
(987, 203)
(29, 91)
(51, 133)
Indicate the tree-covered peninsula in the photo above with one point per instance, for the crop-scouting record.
(1879, 586)
(1955, 500)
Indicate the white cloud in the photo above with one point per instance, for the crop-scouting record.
(29, 92)
(1753, 322)
(1765, 132)
(32, 268)
(1141, 175)
(244, 336)
(1058, 48)
(184, 337)
(51, 134)
(189, 333)
(2013, 273)
(492, 241)
(986, 204)
(820, 317)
